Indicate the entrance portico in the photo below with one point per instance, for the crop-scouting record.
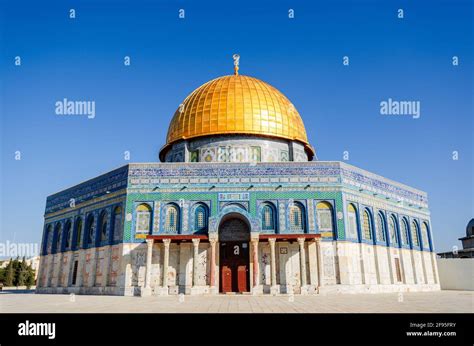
(235, 260)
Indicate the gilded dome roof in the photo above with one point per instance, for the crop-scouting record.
(237, 104)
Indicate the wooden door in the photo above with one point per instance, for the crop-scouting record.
(234, 262)
(226, 279)
(242, 278)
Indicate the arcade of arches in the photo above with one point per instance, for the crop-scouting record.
(232, 254)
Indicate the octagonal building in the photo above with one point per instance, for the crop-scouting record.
(239, 203)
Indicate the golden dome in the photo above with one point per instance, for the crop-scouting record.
(237, 104)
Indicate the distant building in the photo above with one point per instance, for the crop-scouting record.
(467, 250)
(33, 262)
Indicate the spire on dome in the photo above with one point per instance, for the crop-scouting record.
(236, 58)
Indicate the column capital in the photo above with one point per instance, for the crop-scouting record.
(272, 241)
(254, 236)
(301, 241)
(196, 241)
(213, 236)
(149, 242)
(167, 242)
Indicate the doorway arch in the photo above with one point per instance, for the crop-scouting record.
(234, 259)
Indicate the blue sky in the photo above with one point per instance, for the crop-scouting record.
(82, 59)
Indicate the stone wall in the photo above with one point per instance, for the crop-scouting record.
(342, 267)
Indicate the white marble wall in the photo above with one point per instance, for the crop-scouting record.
(339, 267)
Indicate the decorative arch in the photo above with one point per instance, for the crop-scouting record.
(393, 229)
(352, 221)
(381, 231)
(367, 225)
(103, 222)
(57, 237)
(268, 217)
(117, 223)
(48, 239)
(67, 234)
(171, 216)
(325, 216)
(78, 230)
(90, 229)
(215, 221)
(414, 233)
(234, 227)
(143, 218)
(425, 235)
(201, 218)
(404, 232)
(297, 217)
(235, 204)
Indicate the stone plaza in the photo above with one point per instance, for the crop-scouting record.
(415, 302)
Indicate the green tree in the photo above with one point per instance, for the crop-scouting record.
(3, 274)
(15, 265)
(30, 280)
(10, 274)
(22, 273)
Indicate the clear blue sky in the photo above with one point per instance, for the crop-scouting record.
(82, 59)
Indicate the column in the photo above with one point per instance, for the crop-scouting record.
(320, 263)
(166, 261)
(213, 243)
(146, 290)
(435, 268)
(50, 270)
(313, 264)
(302, 263)
(93, 267)
(415, 274)
(195, 261)
(80, 268)
(149, 256)
(60, 269)
(39, 272)
(106, 265)
(274, 288)
(255, 262)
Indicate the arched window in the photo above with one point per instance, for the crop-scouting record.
(424, 235)
(268, 218)
(171, 218)
(297, 217)
(367, 226)
(143, 218)
(48, 239)
(380, 227)
(78, 232)
(200, 218)
(324, 216)
(414, 234)
(103, 226)
(58, 233)
(67, 235)
(392, 230)
(351, 221)
(117, 223)
(404, 232)
(90, 229)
